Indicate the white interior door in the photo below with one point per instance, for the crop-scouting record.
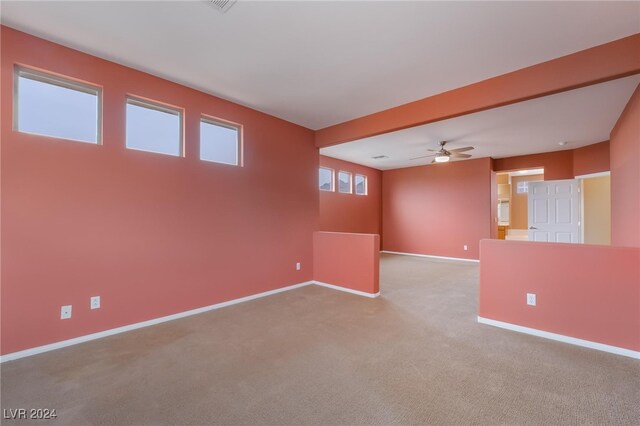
(554, 211)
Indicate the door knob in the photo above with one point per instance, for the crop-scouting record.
(532, 227)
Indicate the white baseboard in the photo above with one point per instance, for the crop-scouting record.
(431, 256)
(347, 290)
(123, 329)
(87, 338)
(561, 338)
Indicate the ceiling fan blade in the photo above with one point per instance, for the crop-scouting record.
(424, 156)
(434, 150)
(456, 155)
(466, 148)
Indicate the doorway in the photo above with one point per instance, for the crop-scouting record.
(554, 211)
(596, 208)
(512, 206)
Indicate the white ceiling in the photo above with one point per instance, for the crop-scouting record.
(322, 63)
(579, 117)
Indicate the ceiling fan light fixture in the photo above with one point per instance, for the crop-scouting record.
(441, 158)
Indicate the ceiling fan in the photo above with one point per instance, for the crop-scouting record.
(443, 155)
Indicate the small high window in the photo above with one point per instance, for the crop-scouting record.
(361, 185)
(154, 127)
(344, 182)
(219, 141)
(53, 106)
(523, 187)
(326, 179)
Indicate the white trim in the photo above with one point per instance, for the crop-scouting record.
(123, 329)
(593, 175)
(347, 290)
(431, 256)
(561, 338)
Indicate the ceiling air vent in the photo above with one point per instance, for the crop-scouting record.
(221, 5)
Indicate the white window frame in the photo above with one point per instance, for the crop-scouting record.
(158, 106)
(60, 81)
(229, 125)
(355, 184)
(332, 183)
(522, 187)
(350, 182)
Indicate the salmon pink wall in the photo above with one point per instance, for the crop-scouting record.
(583, 291)
(151, 234)
(350, 212)
(347, 260)
(557, 165)
(437, 209)
(591, 159)
(561, 164)
(625, 176)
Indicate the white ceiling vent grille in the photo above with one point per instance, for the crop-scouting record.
(221, 5)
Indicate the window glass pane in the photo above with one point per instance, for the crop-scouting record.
(154, 130)
(52, 110)
(361, 185)
(218, 143)
(522, 187)
(326, 179)
(344, 182)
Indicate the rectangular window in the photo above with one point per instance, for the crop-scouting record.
(153, 127)
(53, 106)
(219, 142)
(326, 179)
(523, 187)
(361, 185)
(344, 182)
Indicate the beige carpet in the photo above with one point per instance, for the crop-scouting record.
(317, 356)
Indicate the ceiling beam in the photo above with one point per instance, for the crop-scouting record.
(617, 59)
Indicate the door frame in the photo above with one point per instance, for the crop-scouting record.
(582, 178)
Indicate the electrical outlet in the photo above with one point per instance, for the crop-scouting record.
(298, 266)
(95, 302)
(466, 247)
(65, 312)
(531, 299)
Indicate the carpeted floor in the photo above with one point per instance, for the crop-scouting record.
(317, 356)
